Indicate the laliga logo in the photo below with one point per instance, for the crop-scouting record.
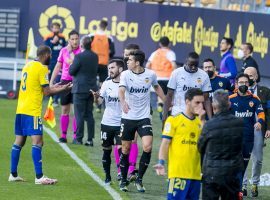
(56, 14)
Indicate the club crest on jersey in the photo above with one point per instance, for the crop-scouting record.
(220, 84)
(251, 104)
(167, 127)
(199, 80)
(147, 80)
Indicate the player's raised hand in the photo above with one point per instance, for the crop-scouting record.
(200, 112)
(267, 134)
(160, 169)
(95, 94)
(125, 107)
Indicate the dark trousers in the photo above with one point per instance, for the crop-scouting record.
(83, 107)
(226, 187)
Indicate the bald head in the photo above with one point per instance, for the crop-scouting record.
(252, 73)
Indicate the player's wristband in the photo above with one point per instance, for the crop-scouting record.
(162, 162)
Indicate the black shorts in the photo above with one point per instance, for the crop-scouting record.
(163, 84)
(102, 73)
(108, 134)
(129, 128)
(66, 97)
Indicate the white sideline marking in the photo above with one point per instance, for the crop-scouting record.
(115, 195)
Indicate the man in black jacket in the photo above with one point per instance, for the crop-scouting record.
(221, 147)
(257, 153)
(84, 71)
(245, 53)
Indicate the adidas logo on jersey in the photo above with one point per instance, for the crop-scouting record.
(243, 114)
(138, 90)
(113, 99)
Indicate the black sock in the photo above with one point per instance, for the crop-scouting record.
(144, 162)
(38, 176)
(106, 161)
(14, 174)
(124, 164)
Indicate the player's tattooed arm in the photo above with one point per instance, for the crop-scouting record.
(160, 92)
(56, 71)
(124, 104)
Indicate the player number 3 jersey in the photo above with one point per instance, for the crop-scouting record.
(34, 77)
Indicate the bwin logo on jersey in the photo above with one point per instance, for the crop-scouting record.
(113, 99)
(243, 114)
(138, 90)
(185, 88)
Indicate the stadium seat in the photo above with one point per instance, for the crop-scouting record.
(208, 2)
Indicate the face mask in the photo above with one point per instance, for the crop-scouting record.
(251, 82)
(240, 53)
(243, 89)
(210, 74)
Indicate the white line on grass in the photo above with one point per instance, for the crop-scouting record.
(115, 195)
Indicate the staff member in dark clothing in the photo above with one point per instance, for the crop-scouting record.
(245, 53)
(221, 147)
(84, 71)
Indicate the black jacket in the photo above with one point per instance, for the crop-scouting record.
(221, 146)
(251, 62)
(264, 94)
(84, 71)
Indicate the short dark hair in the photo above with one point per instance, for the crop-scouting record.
(73, 32)
(164, 41)
(229, 41)
(209, 60)
(249, 46)
(55, 24)
(138, 56)
(119, 62)
(193, 55)
(241, 75)
(191, 93)
(86, 42)
(132, 46)
(43, 50)
(103, 24)
(221, 100)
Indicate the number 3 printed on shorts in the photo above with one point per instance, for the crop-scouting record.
(24, 77)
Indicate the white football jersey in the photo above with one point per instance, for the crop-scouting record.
(181, 81)
(138, 92)
(112, 113)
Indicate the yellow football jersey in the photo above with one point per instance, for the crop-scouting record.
(34, 77)
(184, 160)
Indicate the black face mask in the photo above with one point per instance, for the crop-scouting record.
(210, 74)
(243, 89)
(251, 82)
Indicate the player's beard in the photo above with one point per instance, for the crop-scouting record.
(113, 76)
